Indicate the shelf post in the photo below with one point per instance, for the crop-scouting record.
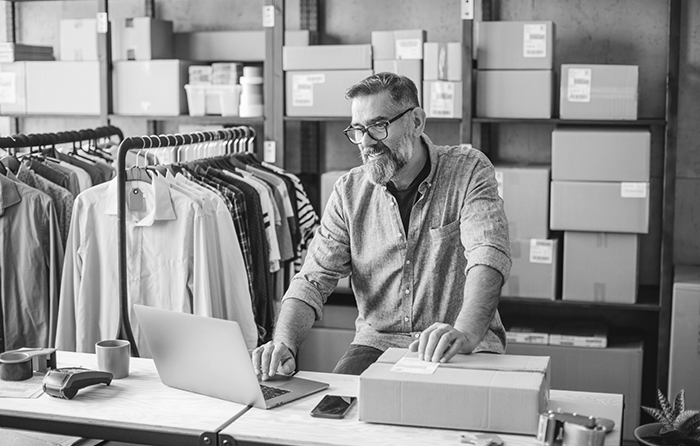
(274, 81)
(104, 50)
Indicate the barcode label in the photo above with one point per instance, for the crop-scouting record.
(303, 88)
(634, 190)
(579, 85)
(442, 99)
(409, 49)
(541, 251)
(535, 40)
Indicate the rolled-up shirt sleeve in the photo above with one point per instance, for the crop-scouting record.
(484, 226)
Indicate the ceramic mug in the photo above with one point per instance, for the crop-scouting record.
(113, 356)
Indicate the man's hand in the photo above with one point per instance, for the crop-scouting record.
(273, 358)
(440, 342)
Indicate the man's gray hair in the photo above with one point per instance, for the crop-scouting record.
(402, 90)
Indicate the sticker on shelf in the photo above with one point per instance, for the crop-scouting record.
(442, 100)
(499, 180)
(534, 40)
(269, 151)
(634, 190)
(8, 88)
(467, 10)
(409, 49)
(303, 88)
(541, 251)
(268, 16)
(102, 23)
(579, 85)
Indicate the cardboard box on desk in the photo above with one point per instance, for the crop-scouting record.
(142, 38)
(78, 39)
(412, 69)
(514, 94)
(525, 194)
(442, 99)
(599, 206)
(56, 87)
(534, 273)
(241, 46)
(150, 88)
(599, 92)
(600, 267)
(327, 57)
(502, 45)
(484, 392)
(13, 91)
(577, 152)
(320, 93)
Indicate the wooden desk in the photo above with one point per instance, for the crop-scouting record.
(137, 409)
(291, 424)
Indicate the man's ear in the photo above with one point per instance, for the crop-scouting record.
(418, 123)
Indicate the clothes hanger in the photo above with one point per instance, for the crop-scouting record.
(135, 173)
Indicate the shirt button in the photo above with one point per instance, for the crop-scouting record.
(407, 291)
(405, 318)
(399, 235)
(408, 262)
(417, 335)
(391, 203)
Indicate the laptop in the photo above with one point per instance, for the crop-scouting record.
(209, 356)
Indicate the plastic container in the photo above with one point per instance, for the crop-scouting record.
(221, 100)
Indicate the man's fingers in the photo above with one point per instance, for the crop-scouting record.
(265, 360)
(452, 351)
(414, 346)
(441, 347)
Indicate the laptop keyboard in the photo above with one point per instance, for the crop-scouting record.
(272, 392)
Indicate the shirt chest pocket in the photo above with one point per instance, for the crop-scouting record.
(448, 231)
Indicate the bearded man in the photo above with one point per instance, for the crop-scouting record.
(422, 232)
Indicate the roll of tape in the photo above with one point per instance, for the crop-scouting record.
(577, 435)
(15, 366)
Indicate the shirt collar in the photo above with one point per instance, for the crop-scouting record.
(9, 195)
(163, 205)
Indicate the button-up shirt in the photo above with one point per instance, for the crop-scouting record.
(405, 282)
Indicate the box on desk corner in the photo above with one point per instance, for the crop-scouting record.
(485, 392)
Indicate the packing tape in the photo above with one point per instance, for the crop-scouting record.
(578, 435)
(19, 365)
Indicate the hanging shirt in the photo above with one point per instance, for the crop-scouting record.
(168, 265)
(31, 259)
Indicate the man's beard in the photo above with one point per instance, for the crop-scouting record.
(382, 168)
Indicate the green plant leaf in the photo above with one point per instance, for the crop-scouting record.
(693, 424)
(678, 404)
(657, 414)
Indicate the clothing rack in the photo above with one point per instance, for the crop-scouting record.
(242, 138)
(15, 142)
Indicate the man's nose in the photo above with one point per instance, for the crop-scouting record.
(367, 140)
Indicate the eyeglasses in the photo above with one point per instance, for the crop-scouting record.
(378, 131)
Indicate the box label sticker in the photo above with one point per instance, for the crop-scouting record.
(442, 100)
(467, 10)
(268, 16)
(579, 85)
(303, 88)
(8, 88)
(414, 365)
(534, 40)
(499, 180)
(634, 190)
(409, 49)
(541, 251)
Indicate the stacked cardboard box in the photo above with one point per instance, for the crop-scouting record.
(600, 198)
(400, 52)
(317, 76)
(514, 77)
(599, 92)
(535, 256)
(442, 79)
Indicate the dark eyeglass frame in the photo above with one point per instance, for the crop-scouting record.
(377, 125)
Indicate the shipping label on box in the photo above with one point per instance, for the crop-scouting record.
(442, 99)
(530, 331)
(576, 154)
(327, 57)
(320, 93)
(600, 267)
(599, 92)
(498, 393)
(507, 45)
(599, 206)
(514, 94)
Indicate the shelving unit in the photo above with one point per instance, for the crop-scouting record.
(650, 317)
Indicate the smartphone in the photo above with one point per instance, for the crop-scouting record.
(333, 406)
